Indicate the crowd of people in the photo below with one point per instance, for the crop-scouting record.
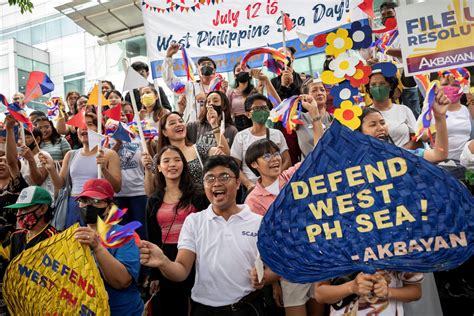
(201, 187)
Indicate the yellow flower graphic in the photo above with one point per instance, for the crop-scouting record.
(348, 114)
(338, 42)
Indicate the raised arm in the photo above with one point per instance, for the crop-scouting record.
(11, 151)
(258, 74)
(440, 150)
(168, 74)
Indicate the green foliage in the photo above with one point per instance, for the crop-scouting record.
(25, 5)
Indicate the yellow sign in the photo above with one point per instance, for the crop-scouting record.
(436, 35)
(56, 277)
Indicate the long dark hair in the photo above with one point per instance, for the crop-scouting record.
(250, 86)
(186, 184)
(369, 110)
(157, 108)
(55, 138)
(164, 141)
(225, 104)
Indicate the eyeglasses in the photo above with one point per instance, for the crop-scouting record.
(269, 156)
(259, 108)
(88, 201)
(222, 178)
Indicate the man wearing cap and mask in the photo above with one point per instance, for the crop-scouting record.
(34, 213)
(207, 71)
(120, 266)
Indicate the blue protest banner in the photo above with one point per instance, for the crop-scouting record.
(361, 204)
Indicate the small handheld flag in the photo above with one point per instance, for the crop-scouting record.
(188, 65)
(38, 84)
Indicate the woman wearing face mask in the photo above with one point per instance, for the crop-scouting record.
(459, 118)
(81, 165)
(52, 142)
(176, 197)
(399, 118)
(31, 169)
(119, 267)
(242, 89)
(127, 110)
(152, 111)
(202, 132)
(172, 131)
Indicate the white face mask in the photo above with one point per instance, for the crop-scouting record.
(2, 147)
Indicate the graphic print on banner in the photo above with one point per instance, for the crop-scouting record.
(207, 28)
(56, 277)
(436, 35)
(361, 204)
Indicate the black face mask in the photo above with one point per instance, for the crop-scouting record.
(89, 213)
(242, 77)
(207, 71)
(217, 108)
(32, 145)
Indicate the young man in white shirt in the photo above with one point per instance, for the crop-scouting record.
(258, 109)
(221, 241)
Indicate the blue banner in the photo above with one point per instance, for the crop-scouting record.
(361, 204)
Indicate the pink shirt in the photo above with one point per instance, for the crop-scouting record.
(259, 199)
(172, 222)
(237, 101)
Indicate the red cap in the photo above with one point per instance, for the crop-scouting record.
(97, 189)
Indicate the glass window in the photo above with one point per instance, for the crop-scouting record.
(38, 34)
(135, 47)
(22, 79)
(74, 85)
(24, 36)
(40, 66)
(317, 63)
(75, 82)
(68, 27)
(54, 30)
(24, 63)
(302, 65)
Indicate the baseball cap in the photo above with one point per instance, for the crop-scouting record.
(97, 189)
(33, 195)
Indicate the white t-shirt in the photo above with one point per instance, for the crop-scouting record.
(245, 138)
(25, 172)
(459, 131)
(225, 254)
(467, 157)
(401, 122)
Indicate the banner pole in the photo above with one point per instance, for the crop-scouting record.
(283, 33)
(99, 123)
